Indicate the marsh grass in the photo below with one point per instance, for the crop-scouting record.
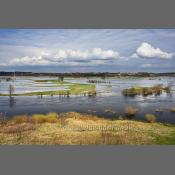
(3, 119)
(21, 119)
(145, 91)
(76, 129)
(151, 118)
(49, 118)
(109, 138)
(36, 118)
(130, 111)
(11, 129)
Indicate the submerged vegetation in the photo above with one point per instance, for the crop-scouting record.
(82, 129)
(145, 91)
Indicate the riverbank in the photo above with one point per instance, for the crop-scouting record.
(81, 129)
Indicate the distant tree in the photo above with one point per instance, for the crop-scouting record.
(12, 101)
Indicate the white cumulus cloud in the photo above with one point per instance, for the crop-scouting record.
(68, 56)
(146, 50)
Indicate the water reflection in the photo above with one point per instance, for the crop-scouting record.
(11, 101)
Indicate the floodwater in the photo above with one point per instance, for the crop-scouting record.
(109, 102)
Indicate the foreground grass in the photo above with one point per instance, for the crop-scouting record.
(82, 129)
(74, 89)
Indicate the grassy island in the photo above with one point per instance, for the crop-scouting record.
(73, 89)
(145, 91)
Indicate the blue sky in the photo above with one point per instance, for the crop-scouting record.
(87, 50)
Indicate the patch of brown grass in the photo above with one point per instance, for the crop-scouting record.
(36, 118)
(76, 115)
(15, 128)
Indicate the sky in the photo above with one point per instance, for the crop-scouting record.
(87, 50)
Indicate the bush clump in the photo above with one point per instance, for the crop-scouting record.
(130, 111)
(151, 118)
(145, 91)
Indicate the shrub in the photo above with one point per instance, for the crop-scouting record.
(130, 111)
(132, 91)
(151, 118)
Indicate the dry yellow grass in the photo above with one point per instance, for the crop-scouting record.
(20, 119)
(80, 129)
(49, 118)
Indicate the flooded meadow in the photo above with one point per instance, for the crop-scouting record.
(31, 96)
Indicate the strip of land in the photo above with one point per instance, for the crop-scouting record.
(91, 74)
(82, 129)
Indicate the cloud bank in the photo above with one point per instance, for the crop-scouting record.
(68, 56)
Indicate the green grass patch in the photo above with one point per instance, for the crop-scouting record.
(74, 89)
